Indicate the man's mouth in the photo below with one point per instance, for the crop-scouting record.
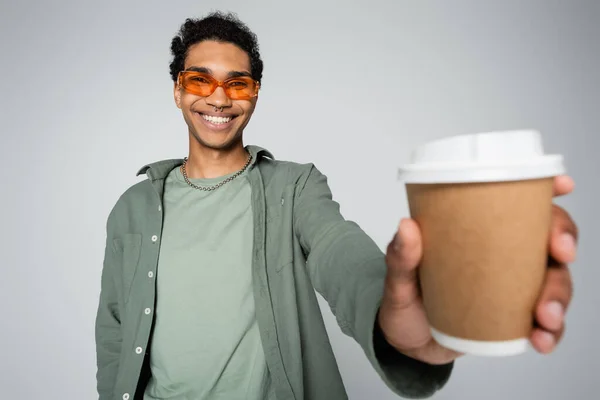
(216, 120)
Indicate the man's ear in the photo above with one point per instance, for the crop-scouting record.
(177, 95)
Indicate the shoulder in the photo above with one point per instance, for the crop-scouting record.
(135, 193)
(281, 173)
(145, 192)
(133, 206)
(133, 201)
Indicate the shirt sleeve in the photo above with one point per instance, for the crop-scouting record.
(348, 269)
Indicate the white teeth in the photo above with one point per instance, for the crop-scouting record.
(216, 120)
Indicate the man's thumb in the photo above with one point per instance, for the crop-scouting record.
(404, 252)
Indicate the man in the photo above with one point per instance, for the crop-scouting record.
(211, 264)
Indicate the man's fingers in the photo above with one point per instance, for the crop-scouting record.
(558, 288)
(563, 184)
(404, 252)
(555, 297)
(550, 315)
(563, 236)
(544, 341)
(551, 307)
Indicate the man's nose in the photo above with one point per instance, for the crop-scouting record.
(218, 98)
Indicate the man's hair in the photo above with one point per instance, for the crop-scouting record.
(218, 26)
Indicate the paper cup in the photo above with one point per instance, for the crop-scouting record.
(483, 203)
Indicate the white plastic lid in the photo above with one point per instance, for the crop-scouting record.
(479, 347)
(482, 157)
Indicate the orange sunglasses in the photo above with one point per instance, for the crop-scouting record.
(202, 84)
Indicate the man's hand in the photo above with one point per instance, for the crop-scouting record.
(402, 316)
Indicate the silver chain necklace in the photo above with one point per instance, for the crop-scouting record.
(218, 185)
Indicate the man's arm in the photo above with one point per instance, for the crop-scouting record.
(348, 269)
(108, 326)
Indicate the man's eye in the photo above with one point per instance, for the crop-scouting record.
(198, 79)
(238, 84)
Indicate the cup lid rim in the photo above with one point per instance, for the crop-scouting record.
(457, 172)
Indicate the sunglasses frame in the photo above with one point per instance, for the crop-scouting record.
(216, 83)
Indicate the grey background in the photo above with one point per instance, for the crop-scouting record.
(86, 99)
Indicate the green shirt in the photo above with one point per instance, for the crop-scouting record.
(206, 343)
(301, 243)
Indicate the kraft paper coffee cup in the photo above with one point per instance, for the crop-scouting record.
(483, 203)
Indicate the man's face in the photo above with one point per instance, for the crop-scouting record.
(216, 129)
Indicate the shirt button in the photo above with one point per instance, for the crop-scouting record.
(150, 274)
(126, 396)
(154, 238)
(138, 350)
(147, 311)
(159, 208)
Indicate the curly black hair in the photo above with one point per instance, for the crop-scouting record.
(218, 26)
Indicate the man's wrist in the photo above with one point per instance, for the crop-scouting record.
(384, 351)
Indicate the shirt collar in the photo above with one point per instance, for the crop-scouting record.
(160, 169)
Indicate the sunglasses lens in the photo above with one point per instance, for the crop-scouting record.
(242, 88)
(197, 83)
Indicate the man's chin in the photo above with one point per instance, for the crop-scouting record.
(227, 143)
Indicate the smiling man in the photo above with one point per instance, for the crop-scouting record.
(212, 262)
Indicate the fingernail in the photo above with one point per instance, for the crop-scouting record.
(567, 242)
(400, 223)
(397, 242)
(556, 311)
(397, 238)
(548, 341)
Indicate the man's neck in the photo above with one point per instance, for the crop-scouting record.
(204, 162)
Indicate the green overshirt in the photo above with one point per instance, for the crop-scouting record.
(301, 243)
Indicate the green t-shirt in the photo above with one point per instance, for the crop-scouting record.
(206, 343)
